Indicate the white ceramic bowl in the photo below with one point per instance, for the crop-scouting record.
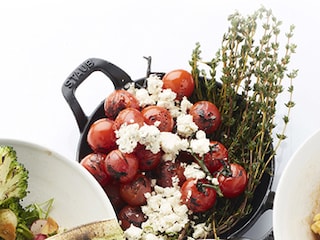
(78, 198)
(297, 197)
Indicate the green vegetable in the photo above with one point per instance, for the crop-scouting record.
(13, 188)
(246, 77)
(13, 176)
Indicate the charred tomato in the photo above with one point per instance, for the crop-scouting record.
(167, 170)
(159, 116)
(197, 196)
(133, 192)
(118, 100)
(129, 116)
(121, 166)
(131, 215)
(232, 180)
(206, 115)
(147, 159)
(179, 81)
(101, 136)
(94, 163)
(217, 157)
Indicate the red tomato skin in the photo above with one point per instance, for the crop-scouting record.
(121, 166)
(118, 100)
(131, 215)
(206, 115)
(217, 157)
(94, 163)
(197, 198)
(129, 116)
(147, 160)
(233, 186)
(153, 114)
(185, 157)
(133, 192)
(112, 189)
(179, 81)
(101, 136)
(167, 170)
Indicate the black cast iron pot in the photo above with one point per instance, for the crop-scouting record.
(263, 196)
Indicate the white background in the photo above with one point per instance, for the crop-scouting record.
(42, 42)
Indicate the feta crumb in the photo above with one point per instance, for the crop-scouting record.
(144, 98)
(200, 145)
(167, 99)
(127, 137)
(213, 180)
(185, 125)
(185, 105)
(154, 84)
(201, 230)
(172, 144)
(131, 88)
(200, 134)
(149, 135)
(166, 213)
(193, 170)
(133, 233)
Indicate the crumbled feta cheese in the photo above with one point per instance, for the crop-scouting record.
(154, 85)
(127, 137)
(185, 105)
(193, 170)
(131, 88)
(200, 134)
(201, 231)
(149, 136)
(172, 144)
(166, 213)
(185, 125)
(167, 99)
(144, 98)
(213, 180)
(133, 233)
(201, 144)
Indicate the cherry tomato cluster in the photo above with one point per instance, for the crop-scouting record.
(126, 177)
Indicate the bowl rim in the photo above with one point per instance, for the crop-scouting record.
(283, 178)
(68, 162)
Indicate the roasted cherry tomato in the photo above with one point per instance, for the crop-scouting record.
(131, 215)
(118, 100)
(217, 157)
(185, 157)
(101, 136)
(121, 166)
(167, 170)
(94, 163)
(129, 116)
(154, 115)
(147, 160)
(232, 180)
(112, 189)
(206, 115)
(180, 82)
(196, 196)
(133, 192)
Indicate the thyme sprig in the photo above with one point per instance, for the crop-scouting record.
(246, 77)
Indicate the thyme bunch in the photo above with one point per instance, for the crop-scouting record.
(247, 75)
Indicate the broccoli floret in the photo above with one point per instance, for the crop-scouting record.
(13, 176)
(13, 188)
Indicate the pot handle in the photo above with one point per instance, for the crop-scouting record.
(118, 77)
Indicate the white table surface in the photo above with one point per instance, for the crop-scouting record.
(42, 42)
